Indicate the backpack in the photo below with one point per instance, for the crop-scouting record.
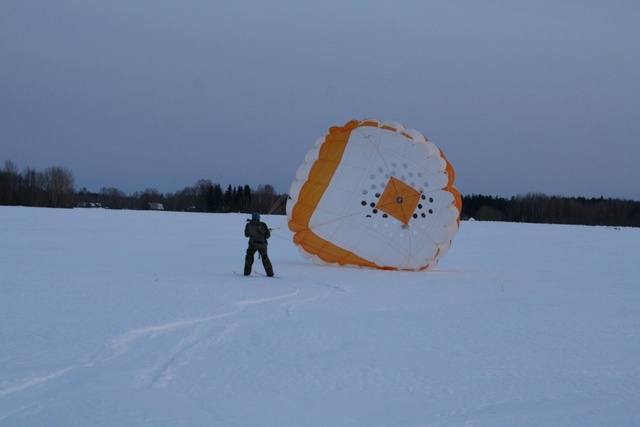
(257, 232)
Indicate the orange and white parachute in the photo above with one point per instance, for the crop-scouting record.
(374, 194)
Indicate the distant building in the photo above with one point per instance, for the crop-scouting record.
(156, 206)
(88, 205)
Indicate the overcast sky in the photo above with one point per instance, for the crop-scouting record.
(521, 96)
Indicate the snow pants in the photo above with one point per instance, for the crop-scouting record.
(248, 260)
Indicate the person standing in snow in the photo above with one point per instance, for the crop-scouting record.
(258, 233)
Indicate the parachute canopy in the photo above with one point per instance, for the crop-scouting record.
(374, 194)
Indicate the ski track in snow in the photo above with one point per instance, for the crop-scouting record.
(198, 335)
(34, 381)
(161, 373)
(289, 307)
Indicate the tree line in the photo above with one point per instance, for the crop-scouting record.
(204, 196)
(540, 208)
(55, 187)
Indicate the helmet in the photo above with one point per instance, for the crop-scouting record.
(255, 216)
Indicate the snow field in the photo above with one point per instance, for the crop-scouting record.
(136, 318)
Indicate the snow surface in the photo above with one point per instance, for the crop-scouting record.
(131, 318)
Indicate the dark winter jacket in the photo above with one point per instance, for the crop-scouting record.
(257, 232)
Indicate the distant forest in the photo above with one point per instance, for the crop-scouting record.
(540, 208)
(55, 187)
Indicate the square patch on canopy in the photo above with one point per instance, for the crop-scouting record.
(399, 200)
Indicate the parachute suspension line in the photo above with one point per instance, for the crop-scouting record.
(340, 218)
(376, 146)
(277, 204)
(360, 212)
(277, 233)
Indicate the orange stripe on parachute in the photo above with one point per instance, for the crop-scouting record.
(311, 193)
(450, 188)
